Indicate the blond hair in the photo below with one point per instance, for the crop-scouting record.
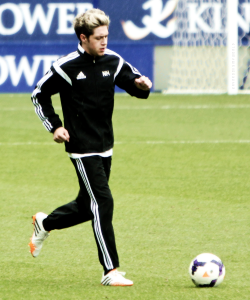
(85, 23)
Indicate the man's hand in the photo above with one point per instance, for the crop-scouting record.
(143, 83)
(61, 135)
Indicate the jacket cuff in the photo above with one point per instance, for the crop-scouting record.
(57, 125)
(139, 93)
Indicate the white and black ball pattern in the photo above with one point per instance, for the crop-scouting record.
(207, 270)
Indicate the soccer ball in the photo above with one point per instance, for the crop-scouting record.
(207, 270)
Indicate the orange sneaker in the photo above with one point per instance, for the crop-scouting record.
(39, 235)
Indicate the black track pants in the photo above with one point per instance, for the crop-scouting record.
(94, 202)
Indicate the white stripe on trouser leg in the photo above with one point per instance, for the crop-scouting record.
(94, 209)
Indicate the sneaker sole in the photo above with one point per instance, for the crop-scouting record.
(32, 248)
(117, 284)
(31, 245)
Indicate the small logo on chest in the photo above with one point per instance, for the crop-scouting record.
(105, 73)
(81, 76)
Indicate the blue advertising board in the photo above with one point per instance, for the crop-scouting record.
(141, 21)
(21, 66)
(48, 20)
(33, 34)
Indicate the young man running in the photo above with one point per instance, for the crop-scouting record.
(86, 80)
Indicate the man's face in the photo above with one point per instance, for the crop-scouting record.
(96, 44)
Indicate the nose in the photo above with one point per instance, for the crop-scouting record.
(104, 41)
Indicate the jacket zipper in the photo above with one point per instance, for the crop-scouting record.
(96, 91)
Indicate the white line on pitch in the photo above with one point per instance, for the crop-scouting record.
(23, 108)
(137, 142)
(164, 107)
(27, 143)
(226, 106)
(189, 142)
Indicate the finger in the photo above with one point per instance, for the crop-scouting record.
(66, 136)
(140, 80)
(144, 80)
(147, 82)
(63, 138)
(58, 140)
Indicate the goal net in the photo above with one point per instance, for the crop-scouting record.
(244, 43)
(210, 52)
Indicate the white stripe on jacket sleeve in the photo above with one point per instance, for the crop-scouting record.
(38, 107)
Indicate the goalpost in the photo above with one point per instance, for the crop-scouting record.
(210, 52)
(232, 47)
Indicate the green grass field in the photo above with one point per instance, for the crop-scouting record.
(180, 181)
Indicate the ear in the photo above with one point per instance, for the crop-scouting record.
(83, 38)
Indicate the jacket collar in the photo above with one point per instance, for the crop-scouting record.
(81, 51)
(80, 48)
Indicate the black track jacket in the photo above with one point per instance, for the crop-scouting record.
(86, 86)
